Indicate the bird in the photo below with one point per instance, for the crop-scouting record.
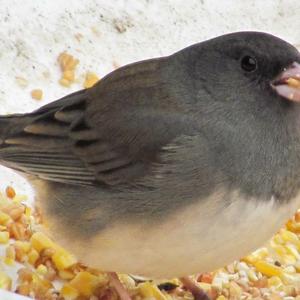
(172, 165)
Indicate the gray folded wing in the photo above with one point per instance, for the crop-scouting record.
(109, 134)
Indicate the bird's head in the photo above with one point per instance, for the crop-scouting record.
(244, 88)
(245, 69)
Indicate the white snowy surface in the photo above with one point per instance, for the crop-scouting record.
(114, 33)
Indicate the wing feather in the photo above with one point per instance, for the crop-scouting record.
(111, 133)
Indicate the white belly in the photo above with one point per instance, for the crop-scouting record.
(200, 238)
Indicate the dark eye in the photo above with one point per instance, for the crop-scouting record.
(248, 63)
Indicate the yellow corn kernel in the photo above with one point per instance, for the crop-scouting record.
(20, 254)
(291, 249)
(65, 274)
(288, 259)
(64, 59)
(9, 261)
(67, 61)
(85, 283)
(222, 298)
(274, 281)
(24, 245)
(64, 82)
(252, 275)
(175, 281)
(27, 211)
(25, 275)
(289, 236)
(38, 281)
(14, 211)
(297, 216)
(4, 218)
(72, 64)
(5, 281)
(33, 256)
(279, 249)
(259, 254)
(292, 226)
(127, 281)
(10, 192)
(204, 286)
(297, 266)
(293, 82)
(90, 79)
(4, 237)
(10, 252)
(63, 260)
(41, 269)
(40, 241)
(68, 292)
(37, 94)
(277, 239)
(23, 289)
(148, 289)
(19, 199)
(69, 75)
(267, 268)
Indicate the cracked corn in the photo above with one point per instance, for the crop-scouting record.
(67, 65)
(37, 94)
(49, 272)
(90, 79)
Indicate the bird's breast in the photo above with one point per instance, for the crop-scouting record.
(203, 236)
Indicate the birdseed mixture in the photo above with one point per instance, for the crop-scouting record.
(48, 272)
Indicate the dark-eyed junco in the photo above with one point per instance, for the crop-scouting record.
(169, 166)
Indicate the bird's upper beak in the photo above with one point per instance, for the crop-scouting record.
(287, 84)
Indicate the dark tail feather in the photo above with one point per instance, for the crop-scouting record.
(11, 125)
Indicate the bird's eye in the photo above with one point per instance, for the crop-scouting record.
(248, 63)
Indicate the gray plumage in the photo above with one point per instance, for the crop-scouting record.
(161, 135)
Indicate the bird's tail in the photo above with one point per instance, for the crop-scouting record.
(10, 125)
(3, 123)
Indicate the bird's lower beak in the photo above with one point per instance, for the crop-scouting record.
(287, 84)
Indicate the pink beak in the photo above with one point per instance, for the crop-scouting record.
(288, 83)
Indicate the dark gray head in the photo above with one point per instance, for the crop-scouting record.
(230, 65)
(249, 113)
